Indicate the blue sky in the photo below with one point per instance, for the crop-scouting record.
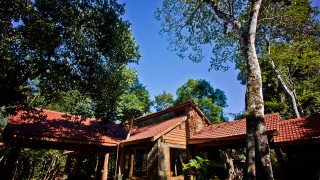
(160, 70)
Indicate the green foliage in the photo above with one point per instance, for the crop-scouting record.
(299, 63)
(65, 45)
(200, 167)
(192, 27)
(211, 101)
(135, 102)
(163, 101)
(288, 35)
(40, 164)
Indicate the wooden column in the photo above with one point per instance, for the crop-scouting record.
(281, 163)
(132, 160)
(152, 162)
(105, 167)
(77, 167)
(163, 164)
(67, 166)
(120, 163)
(8, 164)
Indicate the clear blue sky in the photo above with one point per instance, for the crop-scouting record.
(159, 69)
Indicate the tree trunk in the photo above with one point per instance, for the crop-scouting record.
(290, 93)
(258, 162)
(228, 163)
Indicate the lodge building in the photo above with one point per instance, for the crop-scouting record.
(156, 145)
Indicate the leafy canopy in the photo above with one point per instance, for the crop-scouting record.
(65, 45)
(163, 101)
(192, 28)
(288, 36)
(211, 101)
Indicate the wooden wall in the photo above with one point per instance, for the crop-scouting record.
(177, 135)
(195, 122)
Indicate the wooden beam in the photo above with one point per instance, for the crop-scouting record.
(281, 163)
(60, 140)
(38, 144)
(159, 113)
(125, 143)
(105, 167)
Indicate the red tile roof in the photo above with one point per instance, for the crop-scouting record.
(152, 131)
(58, 126)
(293, 131)
(233, 129)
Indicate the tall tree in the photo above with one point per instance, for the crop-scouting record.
(163, 101)
(288, 42)
(135, 102)
(79, 45)
(223, 25)
(211, 101)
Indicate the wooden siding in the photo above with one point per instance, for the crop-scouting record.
(177, 135)
(195, 121)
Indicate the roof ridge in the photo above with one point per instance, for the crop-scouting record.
(293, 120)
(66, 113)
(167, 110)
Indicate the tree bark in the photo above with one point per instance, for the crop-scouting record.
(258, 158)
(258, 162)
(287, 91)
(228, 163)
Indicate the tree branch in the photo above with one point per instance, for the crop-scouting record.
(190, 17)
(230, 19)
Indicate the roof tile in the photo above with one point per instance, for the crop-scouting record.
(300, 129)
(234, 128)
(155, 129)
(57, 125)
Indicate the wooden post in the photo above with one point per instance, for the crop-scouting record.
(67, 166)
(105, 167)
(281, 163)
(77, 167)
(162, 161)
(8, 164)
(119, 170)
(132, 160)
(152, 162)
